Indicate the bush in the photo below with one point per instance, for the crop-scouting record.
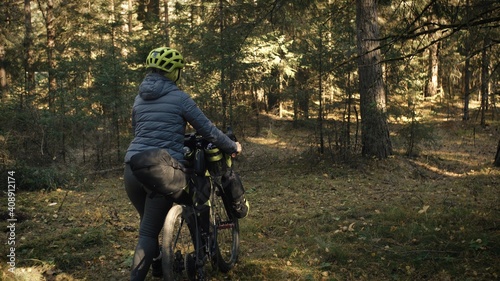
(414, 134)
(34, 178)
(46, 178)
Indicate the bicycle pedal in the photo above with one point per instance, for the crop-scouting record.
(179, 264)
(201, 275)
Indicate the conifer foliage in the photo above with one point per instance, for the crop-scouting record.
(69, 70)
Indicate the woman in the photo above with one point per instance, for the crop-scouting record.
(160, 114)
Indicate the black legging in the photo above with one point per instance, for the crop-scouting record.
(152, 210)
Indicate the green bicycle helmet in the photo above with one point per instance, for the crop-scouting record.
(165, 58)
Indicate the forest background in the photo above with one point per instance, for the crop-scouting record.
(69, 71)
(352, 77)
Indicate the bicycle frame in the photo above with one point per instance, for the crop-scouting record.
(216, 246)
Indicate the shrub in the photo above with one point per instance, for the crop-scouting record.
(46, 178)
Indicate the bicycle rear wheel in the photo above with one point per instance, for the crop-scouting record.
(177, 243)
(227, 234)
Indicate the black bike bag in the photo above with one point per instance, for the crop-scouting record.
(159, 171)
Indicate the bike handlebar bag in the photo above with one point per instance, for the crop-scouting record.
(159, 171)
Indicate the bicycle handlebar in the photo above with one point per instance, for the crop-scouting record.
(193, 140)
(195, 148)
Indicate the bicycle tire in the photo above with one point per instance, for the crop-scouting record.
(227, 232)
(177, 243)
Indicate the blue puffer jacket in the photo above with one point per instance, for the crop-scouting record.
(159, 119)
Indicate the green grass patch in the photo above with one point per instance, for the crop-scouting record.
(68, 249)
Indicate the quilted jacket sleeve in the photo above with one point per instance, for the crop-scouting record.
(206, 128)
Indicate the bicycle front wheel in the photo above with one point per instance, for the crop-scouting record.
(177, 243)
(227, 236)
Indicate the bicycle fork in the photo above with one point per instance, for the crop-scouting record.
(201, 239)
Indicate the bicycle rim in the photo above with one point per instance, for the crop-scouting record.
(227, 236)
(177, 243)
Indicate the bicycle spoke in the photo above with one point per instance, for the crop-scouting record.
(226, 234)
(176, 244)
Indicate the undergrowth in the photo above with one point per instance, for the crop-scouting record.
(433, 217)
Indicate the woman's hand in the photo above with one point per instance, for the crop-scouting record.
(238, 149)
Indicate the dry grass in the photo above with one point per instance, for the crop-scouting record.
(434, 217)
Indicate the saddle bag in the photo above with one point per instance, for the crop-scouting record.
(159, 171)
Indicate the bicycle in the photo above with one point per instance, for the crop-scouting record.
(186, 249)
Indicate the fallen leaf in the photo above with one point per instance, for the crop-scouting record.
(424, 209)
(351, 227)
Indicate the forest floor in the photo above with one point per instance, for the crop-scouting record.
(435, 216)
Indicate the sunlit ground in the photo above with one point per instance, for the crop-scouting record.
(430, 217)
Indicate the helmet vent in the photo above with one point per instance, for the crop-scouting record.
(165, 58)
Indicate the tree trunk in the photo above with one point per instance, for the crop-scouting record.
(28, 51)
(7, 23)
(130, 16)
(51, 44)
(141, 11)
(223, 90)
(153, 12)
(148, 11)
(467, 76)
(3, 74)
(467, 72)
(167, 25)
(320, 110)
(432, 84)
(349, 105)
(484, 81)
(375, 132)
(497, 157)
(432, 71)
(116, 89)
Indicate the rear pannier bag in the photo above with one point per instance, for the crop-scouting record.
(159, 171)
